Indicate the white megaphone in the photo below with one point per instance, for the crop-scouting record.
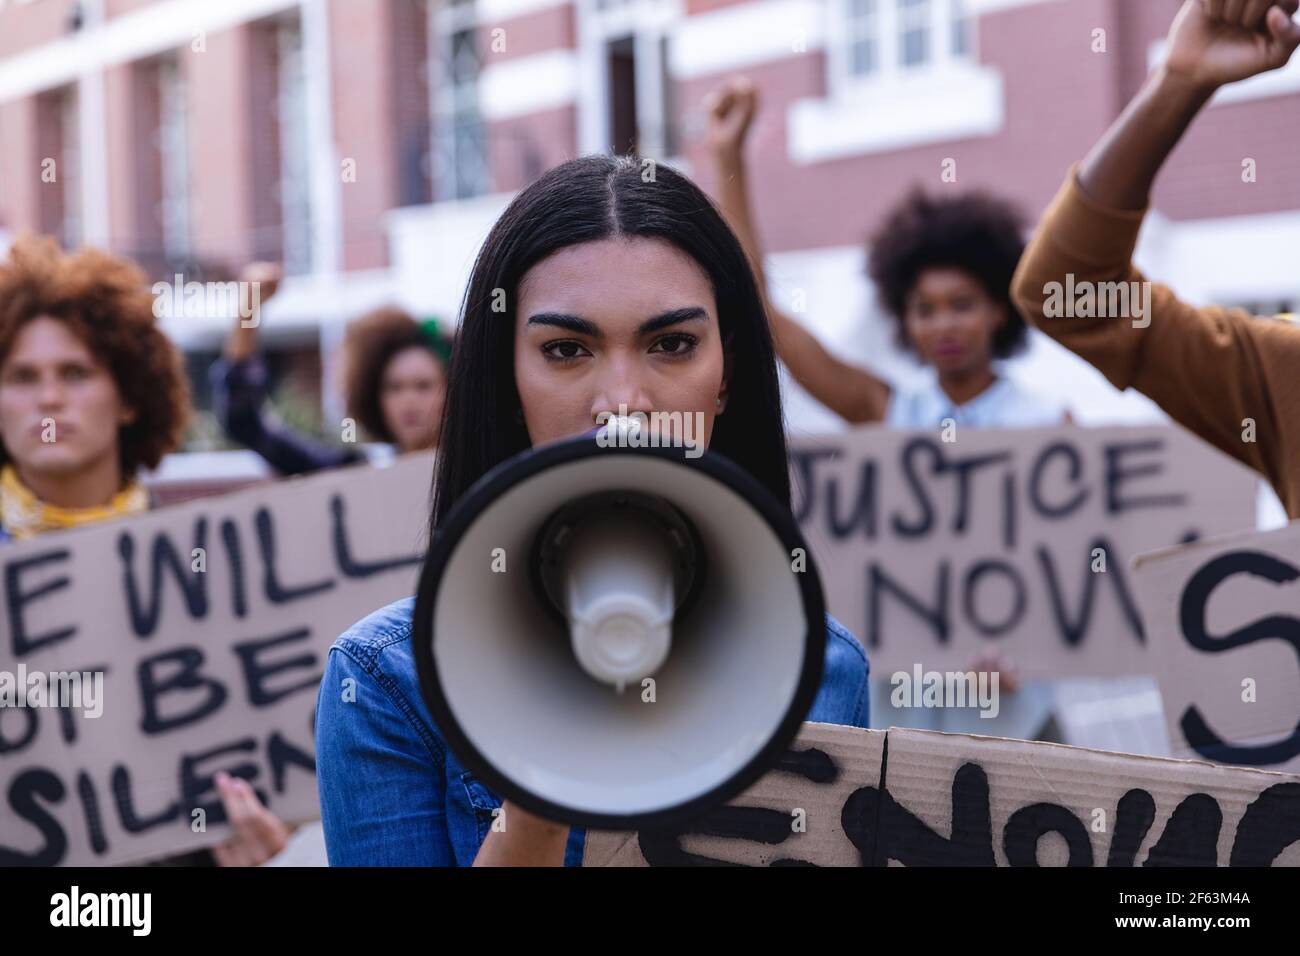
(617, 636)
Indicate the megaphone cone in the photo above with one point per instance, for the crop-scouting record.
(618, 637)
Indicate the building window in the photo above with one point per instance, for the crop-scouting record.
(160, 239)
(880, 39)
(460, 152)
(863, 36)
(282, 213)
(913, 32)
(412, 108)
(633, 95)
(620, 72)
(912, 66)
(961, 26)
(294, 181)
(60, 172)
(173, 150)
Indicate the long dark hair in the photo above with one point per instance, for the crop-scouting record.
(585, 200)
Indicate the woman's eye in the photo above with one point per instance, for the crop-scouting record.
(677, 344)
(564, 350)
(75, 373)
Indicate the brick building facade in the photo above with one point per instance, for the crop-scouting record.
(369, 144)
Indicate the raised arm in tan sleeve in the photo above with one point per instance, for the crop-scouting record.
(1211, 369)
(1214, 370)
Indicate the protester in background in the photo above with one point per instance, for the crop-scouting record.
(943, 270)
(395, 385)
(619, 292)
(1213, 370)
(91, 393)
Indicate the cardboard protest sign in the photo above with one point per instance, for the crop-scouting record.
(795, 804)
(964, 800)
(1016, 541)
(1223, 623)
(208, 624)
(920, 798)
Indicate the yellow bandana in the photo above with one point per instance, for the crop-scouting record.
(24, 516)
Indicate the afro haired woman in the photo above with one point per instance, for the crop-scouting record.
(943, 270)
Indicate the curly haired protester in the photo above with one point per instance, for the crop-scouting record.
(1210, 368)
(91, 393)
(942, 268)
(618, 291)
(395, 381)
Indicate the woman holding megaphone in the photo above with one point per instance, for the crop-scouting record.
(606, 284)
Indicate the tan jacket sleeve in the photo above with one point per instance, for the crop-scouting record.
(1210, 368)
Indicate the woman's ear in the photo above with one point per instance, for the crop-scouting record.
(720, 405)
(127, 416)
(724, 388)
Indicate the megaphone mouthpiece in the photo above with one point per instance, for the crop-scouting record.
(618, 566)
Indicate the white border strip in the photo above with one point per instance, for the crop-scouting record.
(494, 11)
(529, 84)
(745, 34)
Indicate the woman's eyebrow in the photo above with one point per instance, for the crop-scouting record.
(571, 323)
(686, 314)
(581, 326)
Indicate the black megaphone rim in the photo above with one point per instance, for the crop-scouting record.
(523, 466)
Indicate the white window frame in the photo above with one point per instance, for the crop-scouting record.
(854, 33)
(949, 97)
(446, 19)
(291, 112)
(73, 227)
(173, 146)
(649, 23)
(932, 49)
(942, 56)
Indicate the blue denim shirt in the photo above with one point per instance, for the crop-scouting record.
(391, 791)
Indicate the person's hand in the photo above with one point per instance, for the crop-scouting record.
(267, 275)
(259, 833)
(241, 344)
(524, 840)
(1215, 42)
(994, 663)
(731, 109)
